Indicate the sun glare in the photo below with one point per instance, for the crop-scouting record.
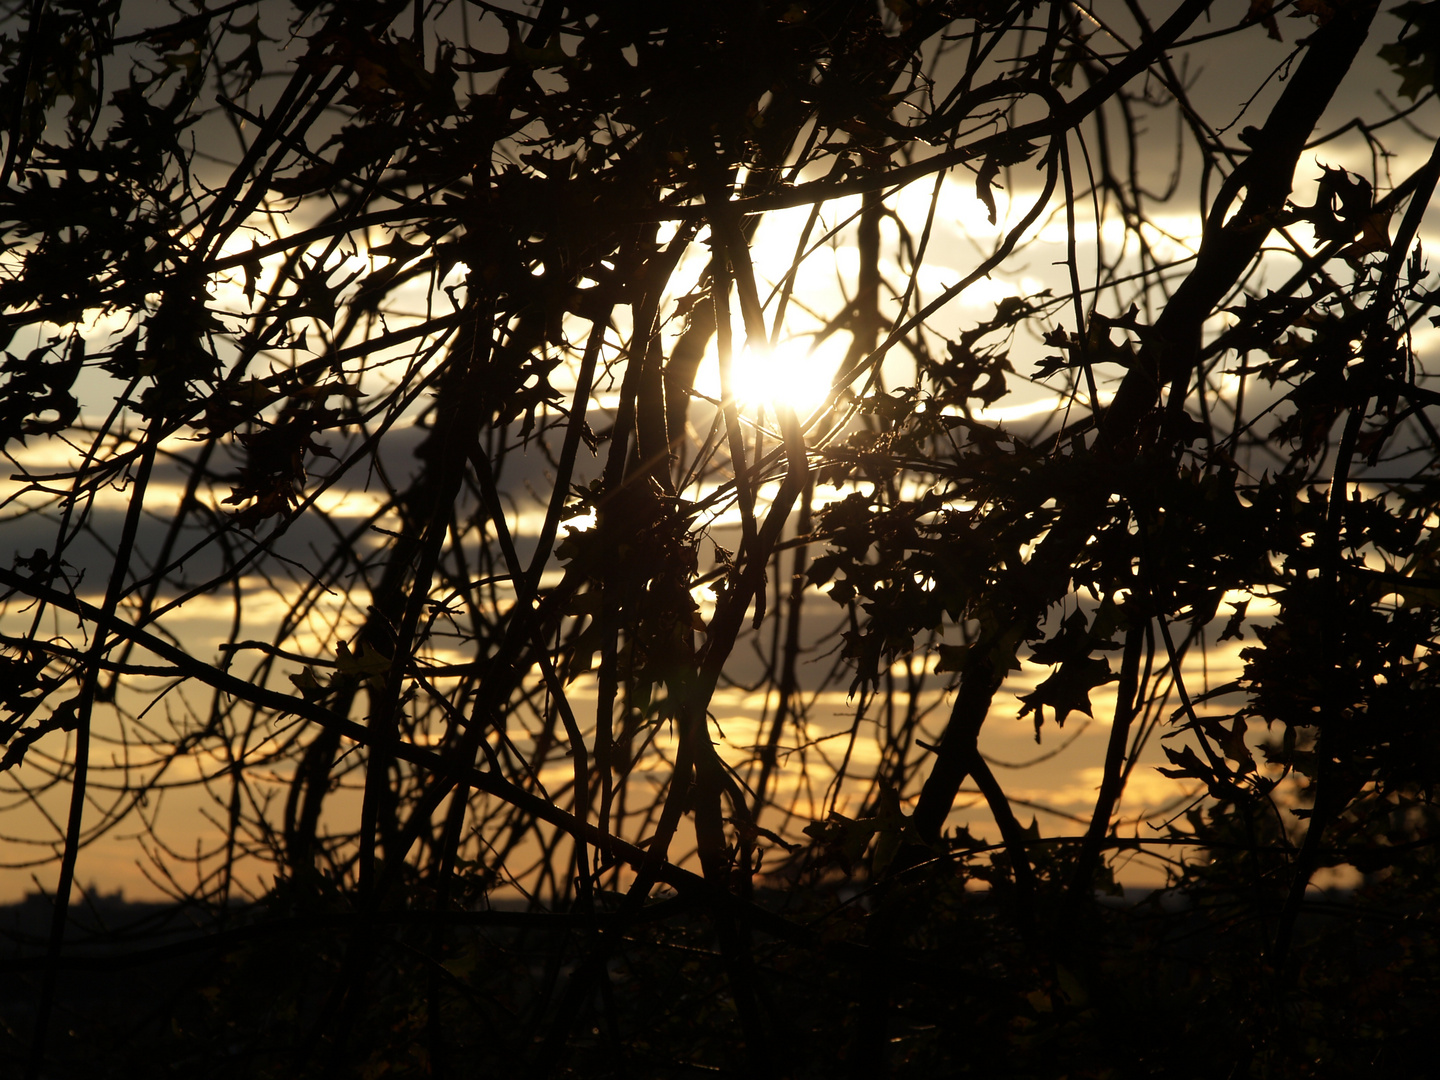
(794, 373)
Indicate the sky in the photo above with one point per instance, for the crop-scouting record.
(1230, 81)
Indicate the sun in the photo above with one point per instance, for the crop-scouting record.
(796, 372)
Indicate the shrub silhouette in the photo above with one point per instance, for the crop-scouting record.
(409, 468)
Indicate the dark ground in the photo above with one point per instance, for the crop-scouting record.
(927, 980)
